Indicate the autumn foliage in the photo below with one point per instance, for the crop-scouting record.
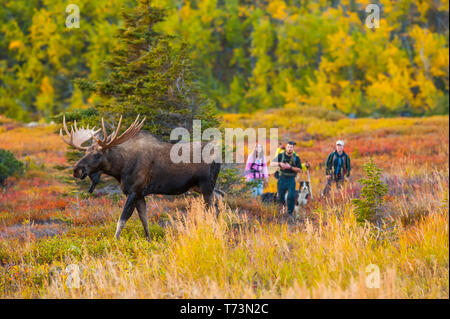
(247, 55)
(48, 223)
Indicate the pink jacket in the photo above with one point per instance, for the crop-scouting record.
(259, 170)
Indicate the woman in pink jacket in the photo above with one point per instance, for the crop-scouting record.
(256, 170)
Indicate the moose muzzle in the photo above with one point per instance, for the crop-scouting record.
(79, 172)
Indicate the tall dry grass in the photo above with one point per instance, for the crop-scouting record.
(204, 255)
(248, 250)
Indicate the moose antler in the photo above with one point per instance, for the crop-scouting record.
(78, 136)
(113, 140)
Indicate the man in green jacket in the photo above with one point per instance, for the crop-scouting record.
(337, 168)
(290, 164)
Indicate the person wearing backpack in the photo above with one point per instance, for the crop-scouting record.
(290, 164)
(337, 168)
(281, 148)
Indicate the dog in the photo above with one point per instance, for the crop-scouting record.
(269, 198)
(301, 197)
(303, 194)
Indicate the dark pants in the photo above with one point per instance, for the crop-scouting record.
(287, 183)
(339, 180)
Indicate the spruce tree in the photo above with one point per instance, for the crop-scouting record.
(369, 204)
(9, 166)
(152, 76)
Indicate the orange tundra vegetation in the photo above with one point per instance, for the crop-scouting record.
(248, 250)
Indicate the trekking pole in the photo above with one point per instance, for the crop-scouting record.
(309, 182)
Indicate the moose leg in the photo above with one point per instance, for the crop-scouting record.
(207, 192)
(126, 213)
(142, 210)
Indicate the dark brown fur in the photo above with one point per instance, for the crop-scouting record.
(142, 166)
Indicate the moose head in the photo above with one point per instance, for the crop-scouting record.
(95, 159)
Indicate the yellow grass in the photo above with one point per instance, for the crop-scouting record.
(247, 250)
(204, 256)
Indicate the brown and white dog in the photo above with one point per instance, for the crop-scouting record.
(301, 197)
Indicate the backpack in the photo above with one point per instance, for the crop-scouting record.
(344, 164)
(283, 157)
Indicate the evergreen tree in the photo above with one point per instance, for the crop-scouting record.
(9, 166)
(369, 203)
(152, 77)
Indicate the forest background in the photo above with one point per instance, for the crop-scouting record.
(247, 55)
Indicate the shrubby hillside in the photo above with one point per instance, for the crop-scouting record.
(247, 55)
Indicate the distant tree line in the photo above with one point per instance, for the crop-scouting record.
(241, 55)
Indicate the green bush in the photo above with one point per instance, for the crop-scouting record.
(370, 201)
(232, 182)
(9, 166)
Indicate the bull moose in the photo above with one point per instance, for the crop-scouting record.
(141, 164)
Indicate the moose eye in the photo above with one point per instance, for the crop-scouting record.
(97, 156)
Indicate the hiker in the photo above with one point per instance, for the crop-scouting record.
(290, 164)
(256, 170)
(281, 148)
(337, 168)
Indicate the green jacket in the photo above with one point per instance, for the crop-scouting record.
(332, 163)
(294, 160)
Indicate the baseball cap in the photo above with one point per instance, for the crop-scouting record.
(340, 142)
(291, 142)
